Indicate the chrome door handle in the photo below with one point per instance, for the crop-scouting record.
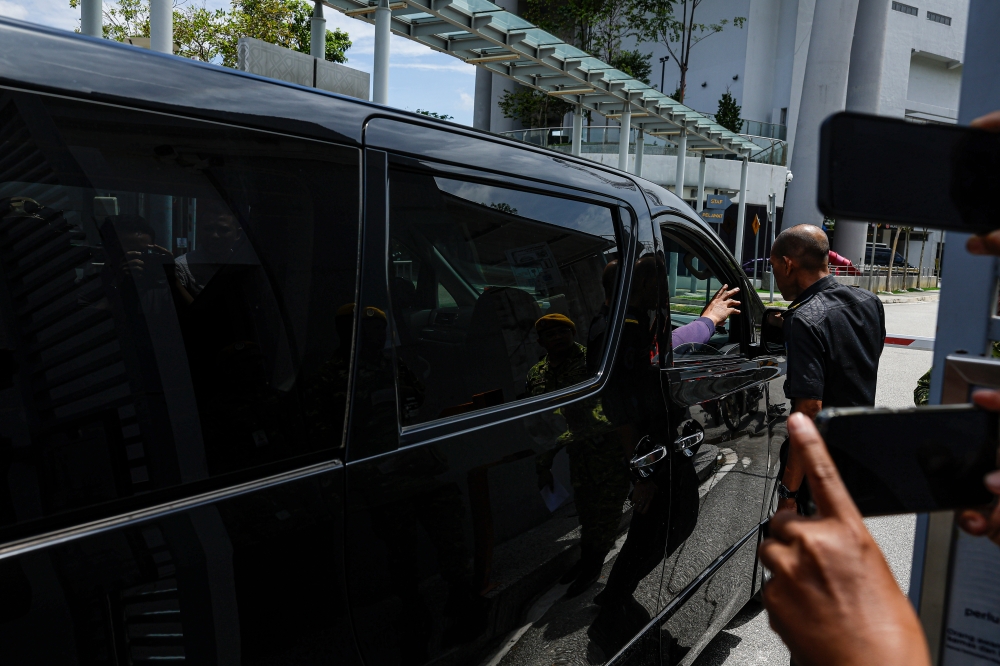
(686, 442)
(643, 465)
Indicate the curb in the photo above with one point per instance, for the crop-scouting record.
(899, 298)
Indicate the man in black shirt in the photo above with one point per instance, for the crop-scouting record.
(834, 336)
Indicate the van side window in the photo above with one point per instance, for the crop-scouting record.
(497, 294)
(169, 294)
(693, 278)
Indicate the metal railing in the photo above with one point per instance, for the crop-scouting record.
(604, 139)
(758, 128)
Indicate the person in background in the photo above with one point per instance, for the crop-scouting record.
(833, 334)
(219, 236)
(829, 580)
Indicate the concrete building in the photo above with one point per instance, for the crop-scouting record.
(796, 61)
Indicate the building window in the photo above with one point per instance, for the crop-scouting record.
(907, 9)
(939, 18)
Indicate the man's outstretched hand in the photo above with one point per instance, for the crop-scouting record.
(722, 305)
(832, 597)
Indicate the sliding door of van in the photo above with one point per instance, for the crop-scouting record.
(493, 417)
(170, 432)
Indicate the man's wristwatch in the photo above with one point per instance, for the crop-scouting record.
(785, 493)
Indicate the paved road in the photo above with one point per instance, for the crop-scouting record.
(748, 639)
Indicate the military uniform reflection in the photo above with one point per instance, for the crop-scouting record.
(597, 472)
(633, 399)
(403, 494)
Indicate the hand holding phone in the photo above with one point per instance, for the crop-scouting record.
(831, 597)
(913, 460)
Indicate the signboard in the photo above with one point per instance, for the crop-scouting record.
(710, 215)
(756, 225)
(972, 637)
(718, 201)
(534, 267)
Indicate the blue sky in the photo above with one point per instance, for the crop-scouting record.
(419, 78)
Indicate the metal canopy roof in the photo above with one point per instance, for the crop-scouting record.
(481, 33)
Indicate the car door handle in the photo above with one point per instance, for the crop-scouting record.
(686, 442)
(643, 465)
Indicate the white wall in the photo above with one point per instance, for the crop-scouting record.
(715, 61)
(933, 89)
(762, 179)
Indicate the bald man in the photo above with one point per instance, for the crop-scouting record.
(834, 336)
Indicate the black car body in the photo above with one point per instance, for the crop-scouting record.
(271, 391)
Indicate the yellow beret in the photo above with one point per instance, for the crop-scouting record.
(553, 320)
(345, 310)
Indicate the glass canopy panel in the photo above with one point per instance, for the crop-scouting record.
(474, 6)
(505, 21)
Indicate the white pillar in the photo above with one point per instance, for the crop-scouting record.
(577, 130)
(824, 91)
(92, 18)
(700, 205)
(623, 137)
(380, 76)
(161, 26)
(639, 149)
(317, 37)
(741, 216)
(682, 144)
(870, 74)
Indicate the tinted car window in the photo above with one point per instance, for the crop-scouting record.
(473, 268)
(693, 279)
(170, 294)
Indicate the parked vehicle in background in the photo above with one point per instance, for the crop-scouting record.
(882, 257)
(272, 390)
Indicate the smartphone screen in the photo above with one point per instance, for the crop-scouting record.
(912, 460)
(886, 169)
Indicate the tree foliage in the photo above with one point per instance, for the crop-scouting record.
(595, 26)
(213, 35)
(533, 108)
(728, 114)
(657, 21)
(434, 114)
(634, 63)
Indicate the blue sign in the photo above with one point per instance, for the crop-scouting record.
(718, 201)
(710, 215)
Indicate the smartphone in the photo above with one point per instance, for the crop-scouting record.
(890, 170)
(913, 460)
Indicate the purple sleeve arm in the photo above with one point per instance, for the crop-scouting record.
(700, 331)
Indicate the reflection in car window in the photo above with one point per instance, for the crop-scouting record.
(169, 294)
(693, 282)
(494, 290)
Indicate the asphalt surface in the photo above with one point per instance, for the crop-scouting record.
(748, 639)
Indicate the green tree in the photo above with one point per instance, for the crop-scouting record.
(728, 114)
(633, 63)
(657, 21)
(533, 108)
(212, 35)
(432, 114)
(595, 26)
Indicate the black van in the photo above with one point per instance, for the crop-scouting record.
(289, 378)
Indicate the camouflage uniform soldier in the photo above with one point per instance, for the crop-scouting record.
(599, 478)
